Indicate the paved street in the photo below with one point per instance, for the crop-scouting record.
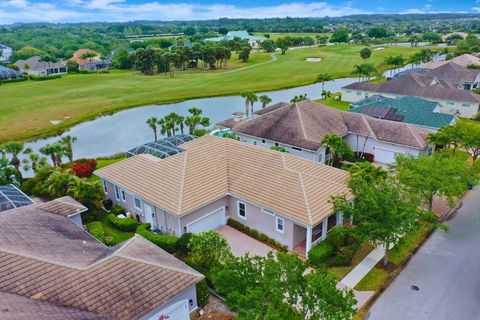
(446, 270)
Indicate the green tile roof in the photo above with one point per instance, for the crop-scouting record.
(415, 110)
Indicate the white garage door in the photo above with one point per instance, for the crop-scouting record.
(211, 221)
(177, 311)
(384, 156)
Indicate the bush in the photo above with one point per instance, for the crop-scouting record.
(341, 261)
(96, 229)
(84, 168)
(257, 235)
(202, 293)
(167, 242)
(320, 253)
(91, 215)
(44, 78)
(28, 185)
(117, 209)
(123, 224)
(182, 244)
(107, 204)
(341, 237)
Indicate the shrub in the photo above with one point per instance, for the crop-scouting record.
(341, 237)
(123, 224)
(44, 78)
(96, 229)
(84, 167)
(182, 243)
(341, 261)
(117, 209)
(28, 185)
(91, 215)
(107, 204)
(202, 293)
(319, 254)
(167, 242)
(257, 235)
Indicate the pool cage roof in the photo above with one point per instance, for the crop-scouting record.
(9, 74)
(162, 148)
(11, 197)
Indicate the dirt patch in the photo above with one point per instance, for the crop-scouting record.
(216, 315)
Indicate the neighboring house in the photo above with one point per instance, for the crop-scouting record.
(300, 127)
(458, 76)
(412, 110)
(11, 197)
(35, 66)
(214, 179)
(452, 100)
(464, 60)
(5, 53)
(93, 63)
(253, 41)
(7, 74)
(51, 268)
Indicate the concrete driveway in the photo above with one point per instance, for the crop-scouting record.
(240, 243)
(446, 270)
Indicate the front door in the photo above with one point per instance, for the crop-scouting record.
(148, 212)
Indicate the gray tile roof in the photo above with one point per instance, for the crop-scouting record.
(36, 65)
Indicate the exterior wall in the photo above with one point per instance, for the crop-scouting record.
(6, 53)
(189, 294)
(77, 219)
(318, 156)
(464, 109)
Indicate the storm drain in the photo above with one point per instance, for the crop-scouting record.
(414, 288)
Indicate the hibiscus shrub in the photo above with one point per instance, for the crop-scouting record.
(84, 168)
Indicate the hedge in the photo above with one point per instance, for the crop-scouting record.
(320, 253)
(167, 242)
(96, 229)
(257, 235)
(202, 293)
(44, 78)
(123, 224)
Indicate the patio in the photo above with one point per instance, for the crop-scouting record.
(241, 244)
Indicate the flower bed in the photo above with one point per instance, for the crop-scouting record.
(257, 235)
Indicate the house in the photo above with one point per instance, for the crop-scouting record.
(7, 74)
(89, 60)
(51, 268)
(300, 127)
(36, 66)
(253, 41)
(411, 110)
(214, 179)
(451, 99)
(463, 60)
(5, 53)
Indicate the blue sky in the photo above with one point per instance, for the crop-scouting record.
(126, 10)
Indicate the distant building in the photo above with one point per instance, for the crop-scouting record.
(5, 53)
(7, 74)
(36, 66)
(464, 60)
(93, 62)
(253, 41)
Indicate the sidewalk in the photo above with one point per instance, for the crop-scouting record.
(364, 267)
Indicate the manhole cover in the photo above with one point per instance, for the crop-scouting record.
(415, 288)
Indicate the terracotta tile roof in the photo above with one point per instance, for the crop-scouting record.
(46, 257)
(77, 56)
(213, 167)
(463, 60)
(304, 125)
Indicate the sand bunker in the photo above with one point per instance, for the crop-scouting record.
(313, 59)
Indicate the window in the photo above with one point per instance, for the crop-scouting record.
(466, 105)
(254, 143)
(263, 141)
(450, 103)
(279, 224)
(298, 149)
(276, 144)
(359, 93)
(270, 212)
(124, 198)
(348, 91)
(138, 203)
(117, 193)
(242, 210)
(104, 186)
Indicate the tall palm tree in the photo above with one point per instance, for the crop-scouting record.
(34, 161)
(8, 174)
(55, 151)
(67, 142)
(264, 100)
(322, 77)
(152, 123)
(252, 99)
(249, 97)
(14, 149)
(338, 147)
(89, 193)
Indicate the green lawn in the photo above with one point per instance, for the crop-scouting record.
(116, 236)
(341, 272)
(28, 107)
(337, 104)
(373, 280)
(274, 36)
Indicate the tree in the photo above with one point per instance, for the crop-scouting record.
(283, 44)
(339, 36)
(59, 182)
(432, 37)
(13, 149)
(123, 59)
(196, 119)
(268, 45)
(208, 250)
(434, 175)
(280, 287)
(322, 40)
(264, 100)
(377, 32)
(299, 98)
(8, 173)
(381, 211)
(323, 77)
(469, 138)
(250, 99)
(88, 193)
(363, 70)
(34, 161)
(55, 150)
(67, 142)
(338, 147)
(189, 31)
(366, 172)
(245, 53)
(365, 53)
(152, 123)
(145, 60)
(72, 66)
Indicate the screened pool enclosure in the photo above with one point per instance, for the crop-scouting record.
(11, 197)
(7, 74)
(162, 148)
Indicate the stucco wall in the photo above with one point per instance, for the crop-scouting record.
(189, 294)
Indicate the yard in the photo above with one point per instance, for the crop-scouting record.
(337, 104)
(28, 107)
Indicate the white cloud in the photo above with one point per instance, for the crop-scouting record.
(121, 10)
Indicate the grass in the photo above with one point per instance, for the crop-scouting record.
(337, 104)
(274, 36)
(28, 107)
(373, 280)
(117, 236)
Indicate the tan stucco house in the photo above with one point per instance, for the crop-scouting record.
(215, 179)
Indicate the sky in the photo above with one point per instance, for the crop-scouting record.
(12, 11)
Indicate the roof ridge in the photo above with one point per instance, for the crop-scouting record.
(369, 126)
(414, 135)
(301, 120)
(307, 205)
(182, 182)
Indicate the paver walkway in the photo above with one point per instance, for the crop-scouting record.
(364, 267)
(240, 243)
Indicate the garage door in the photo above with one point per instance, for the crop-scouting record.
(384, 156)
(177, 311)
(211, 221)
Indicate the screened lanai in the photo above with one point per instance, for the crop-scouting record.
(9, 74)
(11, 197)
(162, 148)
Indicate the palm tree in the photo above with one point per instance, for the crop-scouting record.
(367, 172)
(55, 150)
(89, 193)
(338, 148)
(326, 94)
(152, 123)
(164, 127)
(196, 119)
(357, 70)
(67, 142)
(365, 53)
(14, 149)
(250, 98)
(59, 182)
(265, 100)
(323, 77)
(8, 174)
(34, 161)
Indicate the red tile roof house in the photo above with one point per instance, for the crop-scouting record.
(51, 268)
(300, 127)
(215, 179)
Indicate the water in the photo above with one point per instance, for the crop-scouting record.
(126, 129)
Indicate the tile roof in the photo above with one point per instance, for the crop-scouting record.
(46, 257)
(454, 73)
(35, 64)
(418, 85)
(213, 167)
(411, 110)
(304, 124)
(463, 60)
(77, 56)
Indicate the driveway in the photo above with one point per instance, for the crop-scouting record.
(446, 271)
(240, 243)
